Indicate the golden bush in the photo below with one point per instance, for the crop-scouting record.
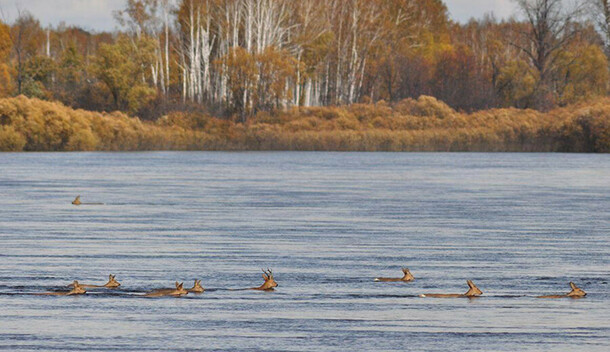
(11, 140)
(424, 124)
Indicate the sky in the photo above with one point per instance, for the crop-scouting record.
(98, 14)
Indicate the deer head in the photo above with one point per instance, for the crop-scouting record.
(77, 289)
(408, 276)
(180, 289)
(269, 283)
(473, 291)
(576, 292)
(76, 200)
(112, 283)
(197, 287)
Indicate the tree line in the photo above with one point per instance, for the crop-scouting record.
(239, 58)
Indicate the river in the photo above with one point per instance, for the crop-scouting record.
(518, 225)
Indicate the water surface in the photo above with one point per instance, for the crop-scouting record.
(519, 225)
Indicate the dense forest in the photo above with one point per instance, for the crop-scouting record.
(313, 74)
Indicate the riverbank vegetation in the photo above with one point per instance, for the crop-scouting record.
(425, 124)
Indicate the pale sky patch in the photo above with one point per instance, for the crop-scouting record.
(87, 14)
(98, 14)
(463, 10)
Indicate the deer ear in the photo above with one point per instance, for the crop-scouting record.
(177, 284)
(470, 283)
(573, 286)
(265, 277)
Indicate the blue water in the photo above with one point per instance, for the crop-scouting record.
(518, 225)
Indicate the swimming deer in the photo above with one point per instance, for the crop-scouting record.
(76, 290)
(197, 288)
(269, 283)
(406, 278)
(177, 292)
(575, 293)
(112, 283)
(472, 292)
(77, 201)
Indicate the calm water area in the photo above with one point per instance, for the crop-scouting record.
(518, 225)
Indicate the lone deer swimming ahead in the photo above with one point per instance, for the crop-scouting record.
(473, 291)
(575, 293)
(112, 283)
(76, 290)
(197, 288)
(77, 201)
(177, 292)
(406, 278)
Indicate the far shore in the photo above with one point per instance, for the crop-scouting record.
(422, 125)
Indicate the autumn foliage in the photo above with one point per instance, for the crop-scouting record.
(236, 58)
(396, 75)
(424, 124)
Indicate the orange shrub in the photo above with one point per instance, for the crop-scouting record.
(11, 140)
(424, 124)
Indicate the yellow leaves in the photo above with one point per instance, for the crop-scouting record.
(239, 65)
(82, 140)
(5, 80)
(275, 69)
(139, 96)
(425, 106)
(38, 72)
(122, 66)
(588, 129)
(11, 140)
(240, 68)
(416, 23)
(303, 124)
(346, 123)
(367, 112)
(258, 81)
(584, 72)
(316, 50)
(517, 83)
(433, 49)
(6, 44)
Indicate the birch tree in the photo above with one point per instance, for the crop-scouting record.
(150, 19)
(599, 11)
